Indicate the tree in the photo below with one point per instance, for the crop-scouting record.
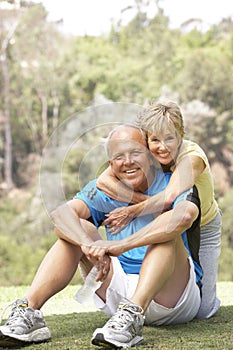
(7, 33)
(37, 51)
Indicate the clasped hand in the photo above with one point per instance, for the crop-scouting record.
(98, 253)
(118, 219)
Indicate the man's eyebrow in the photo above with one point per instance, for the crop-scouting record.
(114, 155)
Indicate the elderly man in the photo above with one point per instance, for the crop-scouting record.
(153, 276)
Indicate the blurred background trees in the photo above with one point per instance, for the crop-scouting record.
(47, 76)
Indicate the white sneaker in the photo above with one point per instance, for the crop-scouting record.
(23, 325)
(123, 329)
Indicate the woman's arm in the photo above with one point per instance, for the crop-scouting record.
(183, 177)
(115, 189)
(165, 228)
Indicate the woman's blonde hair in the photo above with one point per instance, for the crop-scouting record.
(159, 118)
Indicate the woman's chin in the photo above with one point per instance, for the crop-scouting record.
(165, 161)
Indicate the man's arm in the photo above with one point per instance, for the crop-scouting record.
(68, 224)
(71, 225)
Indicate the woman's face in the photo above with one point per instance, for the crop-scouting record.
(165, 147)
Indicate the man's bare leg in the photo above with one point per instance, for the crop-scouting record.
(58, 268)
(163, 276)
(55, 272)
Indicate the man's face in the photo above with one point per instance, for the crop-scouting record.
(129, 158)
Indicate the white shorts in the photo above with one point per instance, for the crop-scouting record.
(123, 286)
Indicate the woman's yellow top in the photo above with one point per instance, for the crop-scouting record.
(204, 182)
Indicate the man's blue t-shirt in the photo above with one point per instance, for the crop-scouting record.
(100, 204)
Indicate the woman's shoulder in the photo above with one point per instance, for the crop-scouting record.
(189, 146)
(190, 143)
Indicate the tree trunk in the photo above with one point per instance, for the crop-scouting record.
(44, 117)
(6, 92)
(55, 117)
(7, 126)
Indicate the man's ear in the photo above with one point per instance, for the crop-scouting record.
(109, 162)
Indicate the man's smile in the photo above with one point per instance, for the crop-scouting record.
(131, 171)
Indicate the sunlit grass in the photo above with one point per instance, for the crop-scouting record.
(72, 324)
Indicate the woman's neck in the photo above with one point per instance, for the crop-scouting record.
(167, 167)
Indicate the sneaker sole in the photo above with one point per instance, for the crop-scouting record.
(99, 340)
(8, 342)
(38, 336)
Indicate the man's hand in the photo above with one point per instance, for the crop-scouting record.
(98, 249)
(98, 253)
(99, 258)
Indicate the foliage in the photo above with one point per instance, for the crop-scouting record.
(53, 76)
(22, 244)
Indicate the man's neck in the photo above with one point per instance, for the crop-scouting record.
(149, 180)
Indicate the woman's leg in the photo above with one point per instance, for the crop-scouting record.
(209, 253)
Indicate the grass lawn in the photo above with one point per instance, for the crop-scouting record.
(72, 324)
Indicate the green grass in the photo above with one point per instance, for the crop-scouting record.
(73, 326)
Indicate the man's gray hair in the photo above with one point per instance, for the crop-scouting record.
(117, 128)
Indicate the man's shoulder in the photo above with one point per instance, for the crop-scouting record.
(90, 187)
(89, 190)
(97, 200)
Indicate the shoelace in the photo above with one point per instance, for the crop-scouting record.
(17, 311)
(133, 308)
(119, 320)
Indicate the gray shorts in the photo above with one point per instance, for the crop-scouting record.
(209, 253)
(123, 286)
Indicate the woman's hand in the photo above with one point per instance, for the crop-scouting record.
(119, 218)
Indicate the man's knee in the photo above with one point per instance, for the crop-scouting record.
(169, 246)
